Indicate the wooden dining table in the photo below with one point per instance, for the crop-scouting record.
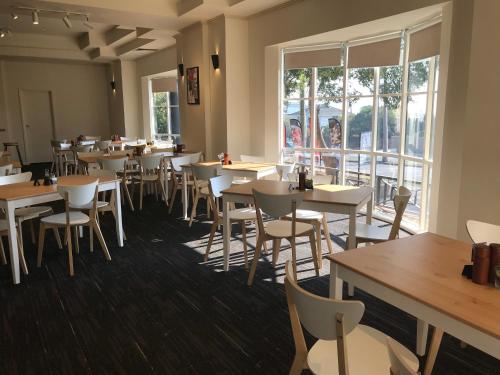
(338, 199)
(23, 194)
(422, 275)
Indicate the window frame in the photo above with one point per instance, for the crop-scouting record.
(168, 106)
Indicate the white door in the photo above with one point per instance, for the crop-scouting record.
(38, 124)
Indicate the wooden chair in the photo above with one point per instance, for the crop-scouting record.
(344, 346)
(150, 173)
(372, 233)
(119, 167)
(397, 356)
(177, 174)
(201, 175)
(77, 198)
(84, 168)
(277, 206)
(29, 213)
(240, 215)
(5, 169)
(483, 232)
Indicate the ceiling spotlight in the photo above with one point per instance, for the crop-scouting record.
(14, 16)
(87, 24)
(3, 34)
(34, 15)
(67, 22)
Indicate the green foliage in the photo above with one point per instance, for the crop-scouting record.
(160, 112)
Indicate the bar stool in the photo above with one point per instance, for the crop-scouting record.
(6, 145)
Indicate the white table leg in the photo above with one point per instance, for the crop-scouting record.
(422, 331)
(335, 282)
(226, 232)
(184, 194)
(118, 208)
(369, 211)
(351, 241)
(14, 252)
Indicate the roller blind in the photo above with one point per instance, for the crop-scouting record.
(308, 59)
(383, 53)
(164, 85)
(425, 43)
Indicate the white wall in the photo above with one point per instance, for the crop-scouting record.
(79, 93)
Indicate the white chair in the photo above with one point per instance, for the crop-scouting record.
(119, 166)
(103, 145)
(76, 197)
(344, 346)
(277, 206)
(483, 232)
(241, 215)
(284, 170)
(92, 138)
(128, 139)
(176, 176)
(201, 175)
(252, 159)
(4, 232)
(85, 167)
(5, 169)
(372, 233)
(150, 173)
(400, 365)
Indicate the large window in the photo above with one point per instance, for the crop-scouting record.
(364, 113)
(165, 110)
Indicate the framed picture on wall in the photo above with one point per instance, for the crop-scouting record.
(193, 85)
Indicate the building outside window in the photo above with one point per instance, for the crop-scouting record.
(365, 114)
(165, 109)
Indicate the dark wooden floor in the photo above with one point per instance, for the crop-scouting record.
(156, 308)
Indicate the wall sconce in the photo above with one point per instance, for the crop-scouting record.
(181, 70)
(113, 86)
(215, 61)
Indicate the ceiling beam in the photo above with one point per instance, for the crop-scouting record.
(116, 34)
(186, 6)
(132, 45)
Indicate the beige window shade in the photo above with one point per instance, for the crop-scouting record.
(425, 43)
(164, 85)
(309, 59)
(384, 53)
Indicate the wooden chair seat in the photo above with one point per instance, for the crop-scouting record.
(372, 233)
(367, 348)
(283, 228)
(75, 218)
(246, 213)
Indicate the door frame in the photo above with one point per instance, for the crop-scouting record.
(27, 155)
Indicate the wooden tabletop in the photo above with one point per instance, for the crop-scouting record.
(95, 159)
(27, 190)
(340, 194)
(248, 167)
(428, 267)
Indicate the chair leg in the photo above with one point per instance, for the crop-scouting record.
(2, 252)
(22, 259)
(163, 193)
(174, 193)
(70, 252)
(41, 240)
(77, 244)
(210, 239)
(101, 240)
(294, 258)
(326, 232)
(276, 250)
(91, 239)
(245, 245)
(141, 194)
(255, 261)
(32, 230)
(314, 252)
(319, 249)
(58, 238)
(20, 232)
(129, 199)
(193, 210)
(299, 364)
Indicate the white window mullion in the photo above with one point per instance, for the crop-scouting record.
(312, 113)
(373, 158)
(344, 115)
(404, 107)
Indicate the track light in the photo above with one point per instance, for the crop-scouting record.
(67, 22)
(14, 16)
(34, 15)
(3, 34)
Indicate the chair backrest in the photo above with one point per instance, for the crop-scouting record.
(87, 143)
(252, 159)
(283, 170)
(218, 184)
(58, 143)
(115, 165)
(150, 162)
(103, 145)
(122, 153)
(401, 200)
(321, 179)
(195, 158)
(205, 172)
(483, 232)
(91, 137)
(277, 205)
(78, 195)
(15, 178)
(83, 148)
(398, 364)
(102, 173)
(179, 161)
(127, 139)
(5, 169)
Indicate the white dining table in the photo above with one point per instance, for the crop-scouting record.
(26, 194)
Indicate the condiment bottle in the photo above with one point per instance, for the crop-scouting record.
(481, 263)
(494, 260)
(302, 178)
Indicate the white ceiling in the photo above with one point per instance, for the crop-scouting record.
(164, 17)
